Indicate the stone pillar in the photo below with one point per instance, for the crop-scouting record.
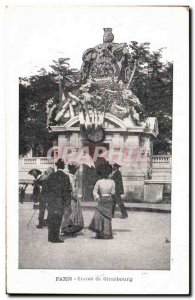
(137, 148)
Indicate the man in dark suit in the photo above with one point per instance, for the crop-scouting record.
(119, 190)
(59, 196)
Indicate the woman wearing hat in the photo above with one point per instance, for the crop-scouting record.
(103, 192)
(43, 196)
(72, 221)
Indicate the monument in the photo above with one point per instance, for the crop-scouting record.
(105, 119)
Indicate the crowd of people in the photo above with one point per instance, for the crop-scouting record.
(59, 196)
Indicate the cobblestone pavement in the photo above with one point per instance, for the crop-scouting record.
(141, 242)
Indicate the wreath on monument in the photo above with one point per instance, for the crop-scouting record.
(109, 95)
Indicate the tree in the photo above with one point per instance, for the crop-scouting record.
(153, 85)
(67, 78)
(33, 96)
(24, 145)
(34, 92)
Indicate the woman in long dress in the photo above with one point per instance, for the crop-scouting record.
(103, 192)
(43, 196)
(72, 221)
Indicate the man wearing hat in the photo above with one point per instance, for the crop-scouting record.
(59, 197)
(119, 190)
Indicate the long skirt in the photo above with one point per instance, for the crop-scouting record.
(101, 221)
(72, 221)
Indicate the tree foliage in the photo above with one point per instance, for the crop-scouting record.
(153, 85)
(33, 95)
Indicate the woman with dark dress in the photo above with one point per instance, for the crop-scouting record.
(36, 192)
(43, 196)
(72, 221)
(103, 192)
(22, 190)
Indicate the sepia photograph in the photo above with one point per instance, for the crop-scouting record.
(95, 88)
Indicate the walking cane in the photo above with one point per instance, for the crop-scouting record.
(31, 217)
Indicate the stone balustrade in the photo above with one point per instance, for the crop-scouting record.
(161, 166)
(36, 162)
(161, 160)
(44, 162)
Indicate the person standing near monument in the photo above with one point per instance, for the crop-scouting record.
(72, 221)
(22, 190)
(36, 192)
(59, 196)
(43, 196)
(119, 190)
(103, 193)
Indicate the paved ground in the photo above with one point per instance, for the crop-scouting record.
(153, 207)
(140, 242)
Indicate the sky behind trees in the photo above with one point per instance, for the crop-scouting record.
(38, 35)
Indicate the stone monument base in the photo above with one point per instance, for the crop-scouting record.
(156, 190)
(134, 187)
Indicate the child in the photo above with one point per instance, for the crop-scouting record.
(22, 190)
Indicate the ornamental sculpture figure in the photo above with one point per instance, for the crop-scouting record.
(108, 35)
(105, 60)
(104, 86)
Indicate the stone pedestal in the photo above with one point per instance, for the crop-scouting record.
(134, 187)
(156, 191)
(153, 191)
(130, 147)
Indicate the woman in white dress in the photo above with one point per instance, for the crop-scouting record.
(103, 192)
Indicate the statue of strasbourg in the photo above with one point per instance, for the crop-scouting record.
(104, 85)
